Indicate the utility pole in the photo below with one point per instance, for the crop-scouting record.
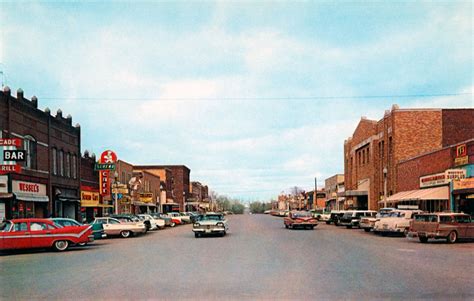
(315, 195)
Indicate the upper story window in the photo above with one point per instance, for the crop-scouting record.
(74, 166)
(61, 163)
(68, 165)
(30, 146)
(55, 161)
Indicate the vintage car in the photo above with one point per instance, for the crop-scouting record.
(397, 222)
(168, 221)
(132, 218)
(185, 218)
(176, 217)
(214, 223)
(367, 223)
(300, 219)
(41, 233)
(155, 223)
(335, 216)
(97, 229)
(449, 226)
(352, 218)
(113, 226)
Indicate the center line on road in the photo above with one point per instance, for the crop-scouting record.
(406, 250)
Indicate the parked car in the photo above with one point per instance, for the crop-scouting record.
(132, 218)
(334, 218)
(41, 233)
(155, 223)
(368, 222)
(398, 222)
(176, 217)
(97, 229)
(351, 219)
(113, 226)
(185, 218)
(192, 216)
(168, 221)
(449, 226)
(210, 224)
(300, 219)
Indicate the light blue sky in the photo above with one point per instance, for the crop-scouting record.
(226, 87)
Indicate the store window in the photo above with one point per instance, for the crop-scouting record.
(55, 161)
(30, 147)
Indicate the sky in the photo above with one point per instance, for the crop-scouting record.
(254, 97)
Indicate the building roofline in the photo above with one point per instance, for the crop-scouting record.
(160, 166)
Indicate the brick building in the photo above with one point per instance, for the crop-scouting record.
(149, 192)
(333, 186)
(439, 180)
(376, 147)
(166, 202)
(177, 178)
(52, 167)
(91, 205)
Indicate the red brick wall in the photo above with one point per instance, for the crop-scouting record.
(458, 125)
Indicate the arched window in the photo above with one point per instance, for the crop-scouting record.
(74, 167)
(31, 152)
(68, 165)
(61, 163)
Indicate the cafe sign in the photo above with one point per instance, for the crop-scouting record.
(442, 178)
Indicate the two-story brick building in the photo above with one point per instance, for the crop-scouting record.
(49, 183)
(372, 153)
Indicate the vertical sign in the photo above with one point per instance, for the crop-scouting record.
(107, 157)
(9, 146)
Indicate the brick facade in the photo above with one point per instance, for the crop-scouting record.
(401, 134)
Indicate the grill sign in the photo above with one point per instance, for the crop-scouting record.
(14, 155)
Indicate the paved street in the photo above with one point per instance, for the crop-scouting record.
(259, 259)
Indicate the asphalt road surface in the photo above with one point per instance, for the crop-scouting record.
(258, 260)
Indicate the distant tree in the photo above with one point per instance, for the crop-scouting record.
(237, 207)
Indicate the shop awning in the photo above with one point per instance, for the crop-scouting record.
(105, 206)
(437, 193)
(5, 195)
(144, 204)
(31, 197)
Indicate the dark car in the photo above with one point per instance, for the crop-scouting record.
(132, 218)
(335, 217)
(97, 229)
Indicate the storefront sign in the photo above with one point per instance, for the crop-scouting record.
(28, 187)
(146, 197)
(10, 142)
(461, 161)
(9, 168)
(89, 198)
(463, 183)
(103, 166)
(104, 182)
(461, 150)
(3, 184)
(442, 178)
(108, 156)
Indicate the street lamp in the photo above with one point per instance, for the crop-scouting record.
(385, 171)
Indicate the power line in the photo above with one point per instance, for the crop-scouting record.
(255, 98)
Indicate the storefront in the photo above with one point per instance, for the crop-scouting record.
(29, 200)
(66, 203)
(429, 199)
(90, 203)
(6, 198)
(463, 195)
(145, 203)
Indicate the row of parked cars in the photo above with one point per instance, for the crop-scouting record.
(411, 223)
(60, 233)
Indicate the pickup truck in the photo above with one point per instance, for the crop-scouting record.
(449, 226)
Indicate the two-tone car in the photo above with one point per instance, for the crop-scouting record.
(168, 220)
(210, 223)
(300, 219)
(114, 227)
(97, 229)
(155, 223)
(41, 233)
(351, 219)
(397, 222)
(449, 226)
(368, 222)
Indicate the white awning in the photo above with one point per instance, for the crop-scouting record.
(68, 200)
(5, 195)
(31, 197)
(437, 193)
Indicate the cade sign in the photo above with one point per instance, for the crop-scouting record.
(10, 155)
(107, 159)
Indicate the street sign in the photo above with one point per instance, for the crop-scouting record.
(104, 166)
(14, 155)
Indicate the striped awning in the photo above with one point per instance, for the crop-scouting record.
(31, 197)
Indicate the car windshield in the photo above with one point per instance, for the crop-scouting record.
(210, 218)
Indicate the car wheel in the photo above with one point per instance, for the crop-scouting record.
(405, 232)
(452, 237)
(327, 223)
(311, 228)
(349, 227)
(61, 245)
(367, 229)
(126, 233)
(173, 224)
(196, 235)
(384, 233)
(82, 244)
(286, 226)
(423, 239)
(223, 234)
